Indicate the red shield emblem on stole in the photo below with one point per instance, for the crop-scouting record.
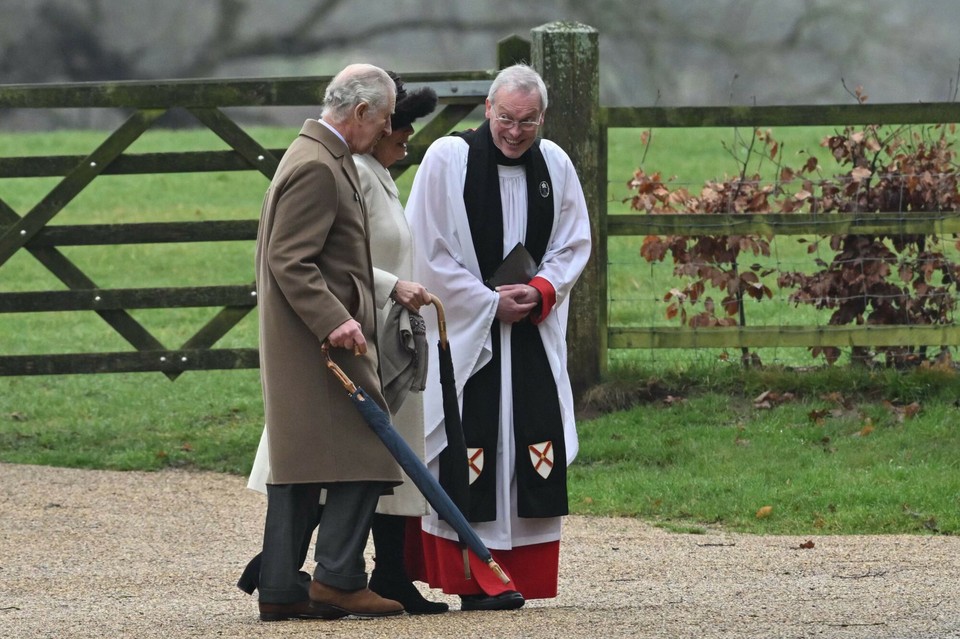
(541, 456)
(474, 463)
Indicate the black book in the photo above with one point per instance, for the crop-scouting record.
(518, 267)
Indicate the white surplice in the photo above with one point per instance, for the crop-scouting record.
(446, 263)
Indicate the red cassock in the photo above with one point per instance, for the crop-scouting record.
(438, 562)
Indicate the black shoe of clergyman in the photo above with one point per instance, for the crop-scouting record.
(510, 600)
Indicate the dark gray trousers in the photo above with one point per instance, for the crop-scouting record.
(292, 512)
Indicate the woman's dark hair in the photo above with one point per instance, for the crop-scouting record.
(411, 104)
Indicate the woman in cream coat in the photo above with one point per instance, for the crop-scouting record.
(391, 247)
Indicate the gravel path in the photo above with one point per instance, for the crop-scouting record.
(155, 555)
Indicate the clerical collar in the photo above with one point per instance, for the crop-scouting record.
(503, 160)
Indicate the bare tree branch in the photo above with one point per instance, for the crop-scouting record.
(321, 42)
(305, 36)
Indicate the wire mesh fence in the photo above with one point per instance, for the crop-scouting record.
(862, 266)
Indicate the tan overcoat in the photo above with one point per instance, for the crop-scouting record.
(313, 273)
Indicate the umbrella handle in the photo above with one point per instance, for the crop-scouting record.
(441, 319)
(347, 383)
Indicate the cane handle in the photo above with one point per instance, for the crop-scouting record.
(347, 383)
(441, 319)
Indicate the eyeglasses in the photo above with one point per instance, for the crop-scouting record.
(525, 125)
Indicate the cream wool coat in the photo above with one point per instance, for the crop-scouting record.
(391, 247)
(313, 273)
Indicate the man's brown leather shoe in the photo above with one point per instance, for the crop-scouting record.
(359, 603)
(300, 610)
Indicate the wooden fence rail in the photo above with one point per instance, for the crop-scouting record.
(769, 224)
(793, 115)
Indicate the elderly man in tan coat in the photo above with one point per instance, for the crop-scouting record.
(315, 284)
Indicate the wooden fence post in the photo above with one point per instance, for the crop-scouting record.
(512, 50)
(567, 55)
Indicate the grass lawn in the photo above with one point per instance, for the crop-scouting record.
(829, 451)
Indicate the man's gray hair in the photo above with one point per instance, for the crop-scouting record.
(521, 78)
(357, 84)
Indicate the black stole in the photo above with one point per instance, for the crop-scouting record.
(536, 406)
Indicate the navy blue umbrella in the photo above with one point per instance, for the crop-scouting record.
(416, 470)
